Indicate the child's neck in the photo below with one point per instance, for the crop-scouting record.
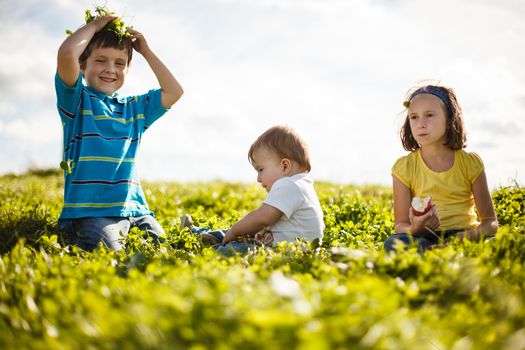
(296, 169)
(299, 171)
(438, 158)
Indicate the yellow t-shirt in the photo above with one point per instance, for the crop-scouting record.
(451, 190)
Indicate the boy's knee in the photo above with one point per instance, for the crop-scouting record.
(89, 233)
(149, 224)
(90, 242)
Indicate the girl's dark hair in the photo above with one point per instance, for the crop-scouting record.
(106, 38)
(455, 136)
(286, 143)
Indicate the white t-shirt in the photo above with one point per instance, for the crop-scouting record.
(295, 197)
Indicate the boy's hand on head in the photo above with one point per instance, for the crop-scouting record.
(101, 21)
(139, 41)
(171, 90)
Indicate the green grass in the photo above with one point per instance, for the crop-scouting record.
(344, 294)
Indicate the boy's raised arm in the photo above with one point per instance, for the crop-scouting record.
(171, 89)
(71, 49)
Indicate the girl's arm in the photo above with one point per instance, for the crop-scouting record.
(253, 222)
(485, 208)
(404, 220)
(71, 49)
(171, 89)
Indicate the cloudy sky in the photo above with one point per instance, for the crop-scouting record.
(336, 71)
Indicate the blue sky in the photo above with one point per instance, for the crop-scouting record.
(336, 71)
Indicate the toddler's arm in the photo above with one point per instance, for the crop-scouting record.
(253, 222)
(71, 49)
(171, 89)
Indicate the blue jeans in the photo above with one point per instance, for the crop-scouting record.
(232, 248)
(422, 242)
(89, 232)
(228, 249)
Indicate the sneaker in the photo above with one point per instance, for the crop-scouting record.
(218, 234)
(186, 222)
(209, 240)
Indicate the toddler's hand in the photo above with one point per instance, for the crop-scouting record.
(228, 237)
(264, 236)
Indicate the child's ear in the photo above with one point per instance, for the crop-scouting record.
(286, 164)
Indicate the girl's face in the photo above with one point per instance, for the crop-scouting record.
(428, 121)
(105, 69)
(269, 167)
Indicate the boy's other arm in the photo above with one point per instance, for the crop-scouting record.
(171, 90)
(71, 49)
(253, 222)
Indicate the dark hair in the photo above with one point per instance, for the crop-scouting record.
(106, 38)
(286, 143)
(455, 136)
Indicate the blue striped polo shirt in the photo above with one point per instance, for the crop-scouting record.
(101, 137)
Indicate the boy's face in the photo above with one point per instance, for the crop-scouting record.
(269, 167)
(105, 69)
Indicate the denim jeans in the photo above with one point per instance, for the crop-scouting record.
(422, 242)
(228, 249)
(89, 232)
(233, 248)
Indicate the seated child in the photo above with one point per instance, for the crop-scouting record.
(103, 198)
(439, 168)
(291, 209)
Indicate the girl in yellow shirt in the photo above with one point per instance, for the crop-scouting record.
(438, 167)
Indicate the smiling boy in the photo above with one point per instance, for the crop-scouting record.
(103, 197)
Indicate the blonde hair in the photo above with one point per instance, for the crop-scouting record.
(286, 143)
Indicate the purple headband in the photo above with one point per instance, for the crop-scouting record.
(443, 96)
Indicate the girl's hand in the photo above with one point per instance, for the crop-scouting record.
(429, 220)
(139, 41)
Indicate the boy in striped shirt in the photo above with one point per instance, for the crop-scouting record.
(103, 198)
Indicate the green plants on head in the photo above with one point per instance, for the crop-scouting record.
(117, 25)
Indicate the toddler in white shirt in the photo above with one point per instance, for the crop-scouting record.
(291, 209)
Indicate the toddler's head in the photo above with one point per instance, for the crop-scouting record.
(455, 137)
(278, 152)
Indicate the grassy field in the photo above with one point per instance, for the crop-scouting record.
(345, 294)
